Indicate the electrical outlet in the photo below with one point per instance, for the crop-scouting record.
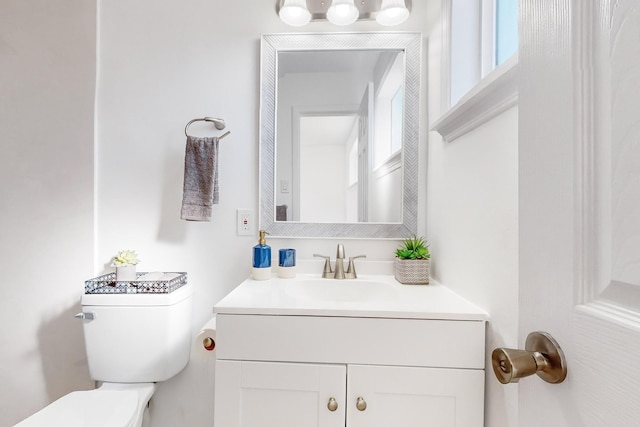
(244, 219)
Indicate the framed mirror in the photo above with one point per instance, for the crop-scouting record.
(339, 134)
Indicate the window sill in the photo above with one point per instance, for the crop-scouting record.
(394, 162)
(493, 95)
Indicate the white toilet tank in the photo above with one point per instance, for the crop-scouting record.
(136, 338)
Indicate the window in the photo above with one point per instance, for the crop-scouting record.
(506, 30)
(389, 104)
(483, 35)
(479, 58)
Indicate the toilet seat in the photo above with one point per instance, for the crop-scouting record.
(95, 408)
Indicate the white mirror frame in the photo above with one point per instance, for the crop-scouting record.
(271, 44)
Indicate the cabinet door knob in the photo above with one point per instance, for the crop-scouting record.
(332, 405)
(361, 404)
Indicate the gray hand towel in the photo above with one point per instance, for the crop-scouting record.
(200, 188)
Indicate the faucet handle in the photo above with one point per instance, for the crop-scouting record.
(351, 269)
(327, 272)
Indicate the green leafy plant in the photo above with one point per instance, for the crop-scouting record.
(125, 258)
(413, 248)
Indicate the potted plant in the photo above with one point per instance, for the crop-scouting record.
(412, 262)
(125, 263)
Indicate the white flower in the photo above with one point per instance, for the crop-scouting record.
(125, 258)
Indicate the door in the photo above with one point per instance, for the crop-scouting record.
(384, 396)
(365, 114)
(579, 207)
(252, 394)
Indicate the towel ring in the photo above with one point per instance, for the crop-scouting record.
(218, 123)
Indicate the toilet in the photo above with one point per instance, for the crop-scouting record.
(133, 341)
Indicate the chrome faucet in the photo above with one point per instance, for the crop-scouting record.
(328, 272)
(339, 274)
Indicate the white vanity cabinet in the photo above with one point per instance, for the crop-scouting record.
(330, 364)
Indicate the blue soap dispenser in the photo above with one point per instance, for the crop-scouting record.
(261, 259)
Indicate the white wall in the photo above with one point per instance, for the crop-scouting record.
(323, 199)
(47, 80)
(473, 224)
(161, 64)
(473, 231)
(387, 186)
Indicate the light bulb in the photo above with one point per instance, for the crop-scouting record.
(295, 13)
(392, 12)
(343, 12)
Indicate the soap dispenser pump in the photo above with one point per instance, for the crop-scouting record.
(261, 259)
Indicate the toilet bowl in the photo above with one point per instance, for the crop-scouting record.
(110, 405)
(132, 342)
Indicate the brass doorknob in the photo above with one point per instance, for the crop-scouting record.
(542, 356)
(332, 405)
(361, 404)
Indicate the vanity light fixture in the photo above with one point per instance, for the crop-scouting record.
(343, 12)
(295, 13)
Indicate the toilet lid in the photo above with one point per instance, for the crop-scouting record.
(87, 408)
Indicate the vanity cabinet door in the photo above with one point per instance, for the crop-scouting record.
(251, 394)
(414, 397)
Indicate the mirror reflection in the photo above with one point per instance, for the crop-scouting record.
(340, 136)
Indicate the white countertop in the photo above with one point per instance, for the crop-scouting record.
(367, 296)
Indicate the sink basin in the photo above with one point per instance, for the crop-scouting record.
(370, 295)
(341, 290)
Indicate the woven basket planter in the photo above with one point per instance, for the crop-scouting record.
(412, 271)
